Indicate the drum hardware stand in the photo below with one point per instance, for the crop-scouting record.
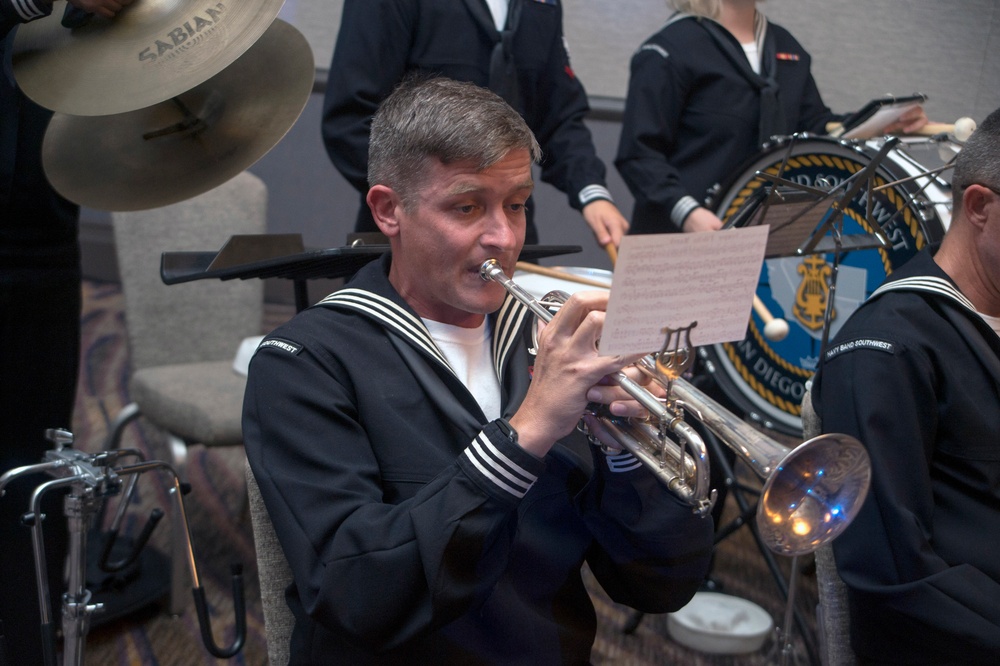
(90, 480)
(911, 199)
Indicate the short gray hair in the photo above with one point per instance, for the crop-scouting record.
(979, 159)
(444, 119)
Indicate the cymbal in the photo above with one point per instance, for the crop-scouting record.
(152, 51)
(189, 144)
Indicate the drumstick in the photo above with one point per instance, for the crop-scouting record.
(561, 275)
(962, 129)
(612, 253)
(774, 329)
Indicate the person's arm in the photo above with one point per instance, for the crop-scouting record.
(380, 572)
(889, 556)
(555, 108)
(369, 59)
(653, 108)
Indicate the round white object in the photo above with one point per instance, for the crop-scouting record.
(720, 624)
(964, 127)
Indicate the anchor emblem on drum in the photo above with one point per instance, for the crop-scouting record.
(813, 293)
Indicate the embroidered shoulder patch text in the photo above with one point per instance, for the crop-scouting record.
(283, 345)
(861, 343)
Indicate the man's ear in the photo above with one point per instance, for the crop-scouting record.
(385, 205)
(974, 202)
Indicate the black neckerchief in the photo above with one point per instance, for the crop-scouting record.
(772, 116)
(503, 70)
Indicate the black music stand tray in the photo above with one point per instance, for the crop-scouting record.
(283, 256)
(795, 212)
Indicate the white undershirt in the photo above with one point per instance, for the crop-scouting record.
(994, 322)
(499, 10)
(469, 353)
(753, 55)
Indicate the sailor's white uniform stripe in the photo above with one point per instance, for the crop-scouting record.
(594, 192)
(926, 283)
(682, 208)
(505, 336)
(389, 313)
(498, 468)
(623, 462)
(28, 10)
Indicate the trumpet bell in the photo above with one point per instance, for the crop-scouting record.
(813, 494)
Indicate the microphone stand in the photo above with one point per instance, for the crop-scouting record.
(90, 480)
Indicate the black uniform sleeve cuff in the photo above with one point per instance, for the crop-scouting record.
(682, 209)
(500, 466)
(593, 193)
(23, 11)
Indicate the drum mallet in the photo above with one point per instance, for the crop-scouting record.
(774, 329)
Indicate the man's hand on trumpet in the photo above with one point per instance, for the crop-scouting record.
(569, 374)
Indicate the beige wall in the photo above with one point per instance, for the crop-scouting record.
(861, 48)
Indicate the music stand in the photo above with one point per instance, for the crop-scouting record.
(800, 218)
(283, 256)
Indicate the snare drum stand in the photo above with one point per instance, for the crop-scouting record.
(91, 479)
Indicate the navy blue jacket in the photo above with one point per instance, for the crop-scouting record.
(915, 375)
(693, 115)
(417, 532)
(381, 41)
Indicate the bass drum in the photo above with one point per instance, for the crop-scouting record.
(767, 379)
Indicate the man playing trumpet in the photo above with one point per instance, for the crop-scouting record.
(411, 452)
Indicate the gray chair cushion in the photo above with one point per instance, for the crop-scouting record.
(833, 618)
(198, 402)
(275, 577)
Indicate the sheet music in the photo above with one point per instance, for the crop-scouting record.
(674, 279)
(881, 119)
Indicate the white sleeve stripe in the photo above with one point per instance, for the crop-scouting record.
(27, 9)
(624, 462)
(483, 449)
(592, 192)
(682, 209)
(489, 475)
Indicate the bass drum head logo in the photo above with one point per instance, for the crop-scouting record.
(767, 378)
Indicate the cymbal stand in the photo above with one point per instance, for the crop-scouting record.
(91, 479)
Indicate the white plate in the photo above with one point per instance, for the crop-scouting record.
(539, 285)
(720, 624)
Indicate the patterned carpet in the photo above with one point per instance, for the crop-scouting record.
(221, 535)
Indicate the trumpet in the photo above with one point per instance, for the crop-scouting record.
(811, 492)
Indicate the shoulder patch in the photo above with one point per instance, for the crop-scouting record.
(283, 345)
(656, 48)
(860, 343)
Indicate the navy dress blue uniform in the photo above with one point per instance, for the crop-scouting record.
(920, 560)
(416, 530)
(382, 41)
(39, 339)
(696, 113)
